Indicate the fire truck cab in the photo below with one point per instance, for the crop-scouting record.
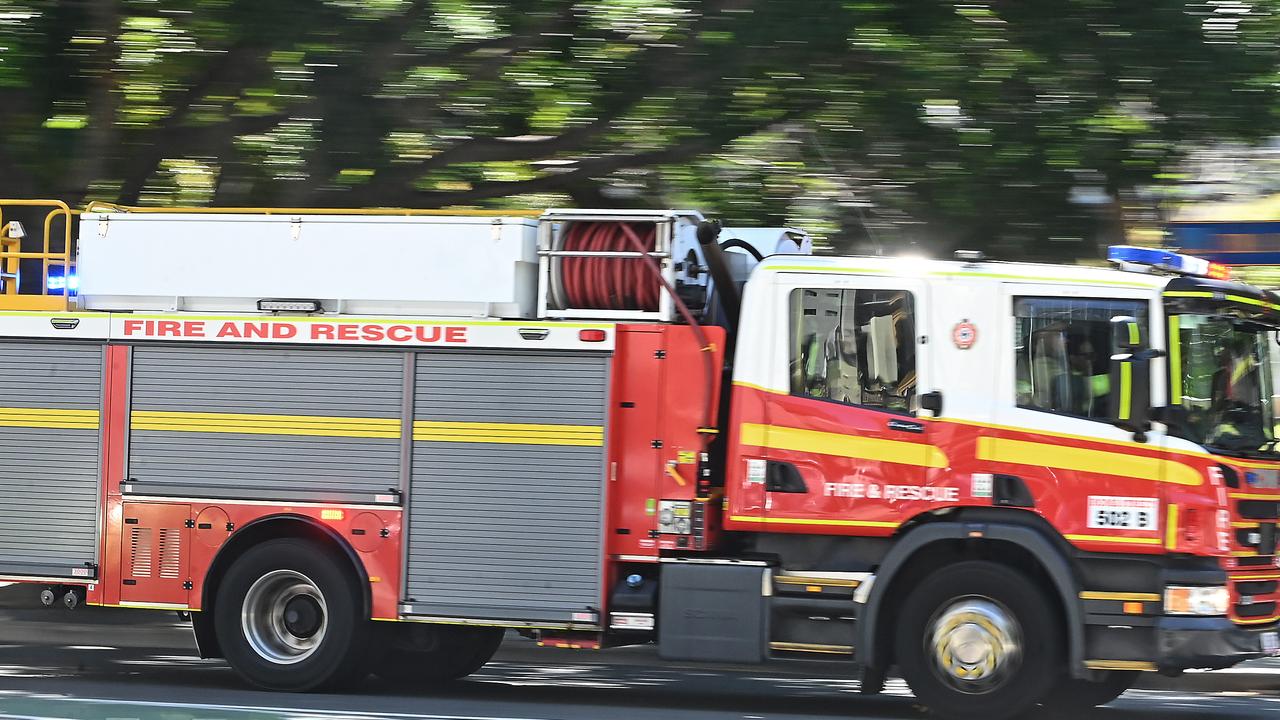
(355, 441)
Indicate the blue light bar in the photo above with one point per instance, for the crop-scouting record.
(66, 283)
(1166, 260)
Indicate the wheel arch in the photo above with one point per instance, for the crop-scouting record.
(931, 544)
(270, 527)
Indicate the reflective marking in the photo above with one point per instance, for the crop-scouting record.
(1114, 539)
(262, 424)
(1102, 462)
(1134, 596)
(49, 418)
(509, 433)
(807, 521)
(1171, 528)
(850, 446)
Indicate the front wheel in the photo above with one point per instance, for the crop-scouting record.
(288, 616)
(978, 640)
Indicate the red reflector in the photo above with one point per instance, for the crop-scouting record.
(592, 335)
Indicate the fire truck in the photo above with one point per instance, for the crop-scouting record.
(372, 441)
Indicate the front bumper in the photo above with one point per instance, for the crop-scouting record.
(1185, 643)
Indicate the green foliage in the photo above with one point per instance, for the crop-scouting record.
(879, 125)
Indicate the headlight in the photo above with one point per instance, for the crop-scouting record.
(1196, 600)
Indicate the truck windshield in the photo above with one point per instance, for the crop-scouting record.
(1225, 386)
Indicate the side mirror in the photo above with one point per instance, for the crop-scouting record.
(1130, 378)
(1127, 334)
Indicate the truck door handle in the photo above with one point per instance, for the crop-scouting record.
(906, 426)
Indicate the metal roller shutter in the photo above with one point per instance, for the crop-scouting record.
(265, 423)
(506, 496)
(50, 396)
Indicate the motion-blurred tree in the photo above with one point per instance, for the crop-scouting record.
(999, 124)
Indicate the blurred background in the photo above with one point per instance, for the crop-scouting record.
(1036, 129)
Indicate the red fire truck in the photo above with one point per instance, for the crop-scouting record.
(372, 441)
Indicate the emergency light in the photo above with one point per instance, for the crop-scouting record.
(1170, 261)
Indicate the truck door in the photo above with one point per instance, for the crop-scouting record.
(841, 443)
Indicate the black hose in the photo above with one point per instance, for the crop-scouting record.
(736, 243)
(726, 290)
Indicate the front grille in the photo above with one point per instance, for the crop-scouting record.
(1258, 587)
(1255, 581)
(1256, 610)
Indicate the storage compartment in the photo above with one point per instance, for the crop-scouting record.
(393, 265)
(506, 500)
(50, 396)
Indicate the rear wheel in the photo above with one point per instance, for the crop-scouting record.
(978, 640)
(288, 616)
(429, 654)
(1072, 695)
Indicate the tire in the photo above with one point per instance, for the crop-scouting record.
(419, 654)
(289, 616)
(1071, 696)
(978, 640)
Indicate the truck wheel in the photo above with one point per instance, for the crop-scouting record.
(978, 640)
(1072, 695)
(288, 617)
(428, 654)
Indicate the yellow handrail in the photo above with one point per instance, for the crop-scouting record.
(98, 206)
(43, 300)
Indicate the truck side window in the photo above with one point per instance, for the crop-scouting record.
(854, 346)
(1062, 351)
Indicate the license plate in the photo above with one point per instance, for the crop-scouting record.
(1271, 643)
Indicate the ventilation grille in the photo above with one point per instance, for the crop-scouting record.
(141, 552)
(170, 553)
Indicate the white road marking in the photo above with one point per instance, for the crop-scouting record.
(265, 708)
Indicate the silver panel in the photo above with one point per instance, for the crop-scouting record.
(49, 477)
(507, 531)
(267, 381)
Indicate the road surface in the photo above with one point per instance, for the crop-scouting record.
(104, 665)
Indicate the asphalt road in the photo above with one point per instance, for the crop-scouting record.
(118, 664)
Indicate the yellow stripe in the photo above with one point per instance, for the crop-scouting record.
(806, 521)
(1171, 528)
(1021, 452)
(1255, 577)
(49, 418)
(1257, 621)
(1232, 298)
(1126, 388)
(1120, 665)
(1115, 539)
(850, 446)
(811, 648)
(262, 424)
(1245, 524)
(1251, 496)
(828, 582)
(1175, 360)
(761, 388)
(509, 433)
(1134, 596)
(955, 273)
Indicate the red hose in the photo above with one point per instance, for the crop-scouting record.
(609, 283)
(612, 283)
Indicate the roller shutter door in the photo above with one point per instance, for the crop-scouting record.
(50, 395)
(506, 498)
(265, 423)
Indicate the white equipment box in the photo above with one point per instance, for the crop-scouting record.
(376, 265)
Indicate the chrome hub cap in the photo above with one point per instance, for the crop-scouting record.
(284, 617)
(975, 644)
